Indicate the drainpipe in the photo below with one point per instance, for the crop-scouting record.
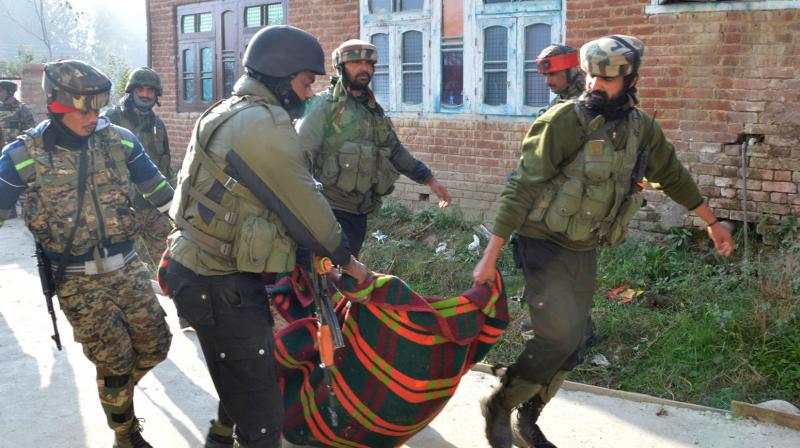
(745, 143)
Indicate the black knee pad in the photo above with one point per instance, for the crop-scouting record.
(116, 381)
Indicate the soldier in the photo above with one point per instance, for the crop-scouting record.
(135, 112)
(15, 116)
(559, 65)
(356, 153)
(246, 199)
(77, 169)
(577, 188)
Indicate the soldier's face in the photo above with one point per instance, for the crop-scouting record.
(81, 122)
(3, 94)
(301, 84)
(359, 73)
(611, 86)
(557, 81)
(146, 93)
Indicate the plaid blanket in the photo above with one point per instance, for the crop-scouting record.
(404, 357)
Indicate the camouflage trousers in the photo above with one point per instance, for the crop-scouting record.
(121, 326)
(155, 228)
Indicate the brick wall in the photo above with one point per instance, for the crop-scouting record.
(331, 21)
(31, 93)
(715, 77)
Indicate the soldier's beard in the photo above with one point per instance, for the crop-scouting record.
(358, 83)
(598, 103)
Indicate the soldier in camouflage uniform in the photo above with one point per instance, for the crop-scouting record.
(559, 65)
(356, 153)
(576, 188)
(15, 116)
(246, 199)
(77, 170)
(135, 112)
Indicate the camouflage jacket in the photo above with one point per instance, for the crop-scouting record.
(355, 151)
(151, 132)
(15, 117)
(245, 196)
(115, 160)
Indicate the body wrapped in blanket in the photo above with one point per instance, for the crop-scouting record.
(403, 358)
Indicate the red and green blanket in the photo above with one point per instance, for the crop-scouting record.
(404, 357)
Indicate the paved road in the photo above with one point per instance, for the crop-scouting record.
(48, 398)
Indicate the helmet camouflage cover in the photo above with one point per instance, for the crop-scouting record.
(614, 55)
(354, 50)
(144, 76)
(75, 84)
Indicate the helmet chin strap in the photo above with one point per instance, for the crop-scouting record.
(282, 89)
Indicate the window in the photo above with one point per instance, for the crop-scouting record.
(380, 79)
(428, 43)
(263, 15)
(211, 41)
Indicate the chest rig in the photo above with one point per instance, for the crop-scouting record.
(593, 196)
(218, 214)
(51, 206)
(356, 155)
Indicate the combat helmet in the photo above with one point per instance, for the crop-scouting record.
(144, 76)
(614, 55)
(9, 86)
(354, 50)
(279, 51)
(75, 84)
(556, 58)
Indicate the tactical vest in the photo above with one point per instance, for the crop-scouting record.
(150, 134)
(226, 221)
(592, 195)
(51, 206)
(11, 125)
(356, 152)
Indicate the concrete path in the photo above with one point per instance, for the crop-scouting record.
(48, 398)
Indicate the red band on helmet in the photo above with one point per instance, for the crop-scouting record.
(557, 63)
(57, 107)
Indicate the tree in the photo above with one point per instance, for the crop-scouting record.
(13, 69)
(61, 29)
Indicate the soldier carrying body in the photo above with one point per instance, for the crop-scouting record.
(77, 170)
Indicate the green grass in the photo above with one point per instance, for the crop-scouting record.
(706, 330)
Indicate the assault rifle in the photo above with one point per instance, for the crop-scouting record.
(48, 288)
(330, 332)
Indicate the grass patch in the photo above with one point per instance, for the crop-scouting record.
(706, 330)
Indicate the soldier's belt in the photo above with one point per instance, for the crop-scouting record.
(103, 265)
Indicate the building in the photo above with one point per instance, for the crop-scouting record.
(458, 79)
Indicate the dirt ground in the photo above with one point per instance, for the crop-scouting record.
(48, 398)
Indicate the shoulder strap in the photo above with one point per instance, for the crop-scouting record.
(82, 175)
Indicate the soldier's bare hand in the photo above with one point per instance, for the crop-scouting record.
(441, 192)
(357, 270)
(720, 234)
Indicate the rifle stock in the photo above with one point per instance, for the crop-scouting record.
(48, 289)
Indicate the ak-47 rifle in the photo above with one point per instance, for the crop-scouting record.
(641, 160)
(48, 288)
(330, 332)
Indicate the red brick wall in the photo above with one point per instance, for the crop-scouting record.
(714, 77)
(31, 93)
(331, 21)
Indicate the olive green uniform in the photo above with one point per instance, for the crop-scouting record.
(152, 133)
(356, 153)
(246, 199)
(572, 192)
(15, 117)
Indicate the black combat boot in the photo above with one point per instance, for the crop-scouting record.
(132, 439)
(526, 433)
(497, 407)
(219, 436)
